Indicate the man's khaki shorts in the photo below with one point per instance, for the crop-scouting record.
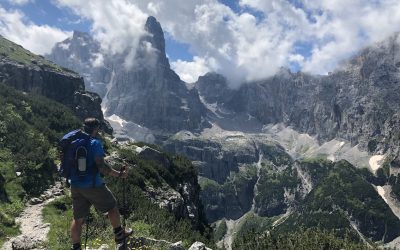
(100, 197)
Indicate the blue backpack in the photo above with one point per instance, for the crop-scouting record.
(74, 147)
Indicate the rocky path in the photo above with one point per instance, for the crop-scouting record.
(33, 229)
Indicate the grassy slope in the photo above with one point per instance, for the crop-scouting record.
(17, 53)
(29, 130)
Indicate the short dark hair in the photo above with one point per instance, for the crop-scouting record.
(90, 124)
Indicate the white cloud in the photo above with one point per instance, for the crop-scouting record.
(19, 2)
(247, 45)
(117, 25)
(347, 26)
(37, 38)
(97, 60)
(190, 71)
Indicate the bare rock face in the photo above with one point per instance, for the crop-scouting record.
(214, 88)
(81, 53)
(143, 90)
(358, 102)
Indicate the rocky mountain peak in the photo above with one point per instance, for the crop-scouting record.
(156, 37)
(213, 87)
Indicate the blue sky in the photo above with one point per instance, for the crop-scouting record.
(244, 40)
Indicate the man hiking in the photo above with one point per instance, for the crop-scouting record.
(89, 188)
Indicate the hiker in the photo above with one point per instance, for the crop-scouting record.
(89, 189)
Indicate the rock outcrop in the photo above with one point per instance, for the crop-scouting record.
(27, 72)
(182, 199)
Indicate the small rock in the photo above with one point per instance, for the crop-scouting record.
(198, 246)
(58, 193)
(35, 201)
(103, 247)
(45, 225)
(176, 246)
(23, 242)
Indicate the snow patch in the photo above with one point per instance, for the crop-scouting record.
(139, 150)
(375, 162)
(129, 131)
(212, 107)
(117, 119)
(381, 192)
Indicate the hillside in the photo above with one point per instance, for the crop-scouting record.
(30, 128)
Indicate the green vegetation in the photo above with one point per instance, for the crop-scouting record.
(233, 198)
(270, 200)
(29, 130)
(255, 224)
(30, 127)
(345, 193)
(173, 171)
(310, 239)
(317, 168)
(18, 54)
(145, 217)
(220, 230)
(147, 220)
(276, 154)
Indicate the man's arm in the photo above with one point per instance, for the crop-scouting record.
(106, 169)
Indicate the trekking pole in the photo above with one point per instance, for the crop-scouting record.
(123, 198)
(87, 229)
(124, 204)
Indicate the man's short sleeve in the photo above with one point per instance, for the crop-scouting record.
(98, 150)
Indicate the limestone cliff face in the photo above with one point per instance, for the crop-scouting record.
(358, 102)
(142, 89)
(30, 73)
(150, 93)
(81, 53)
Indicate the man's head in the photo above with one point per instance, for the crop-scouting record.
(91, 125)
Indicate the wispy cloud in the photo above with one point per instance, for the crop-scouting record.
(36, 38)
(189, 71)
(20, 2)
(117, 25)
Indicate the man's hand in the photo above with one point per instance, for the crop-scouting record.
(123, 173)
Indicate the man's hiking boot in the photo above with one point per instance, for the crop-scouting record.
(76, 246)
(121, 234)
